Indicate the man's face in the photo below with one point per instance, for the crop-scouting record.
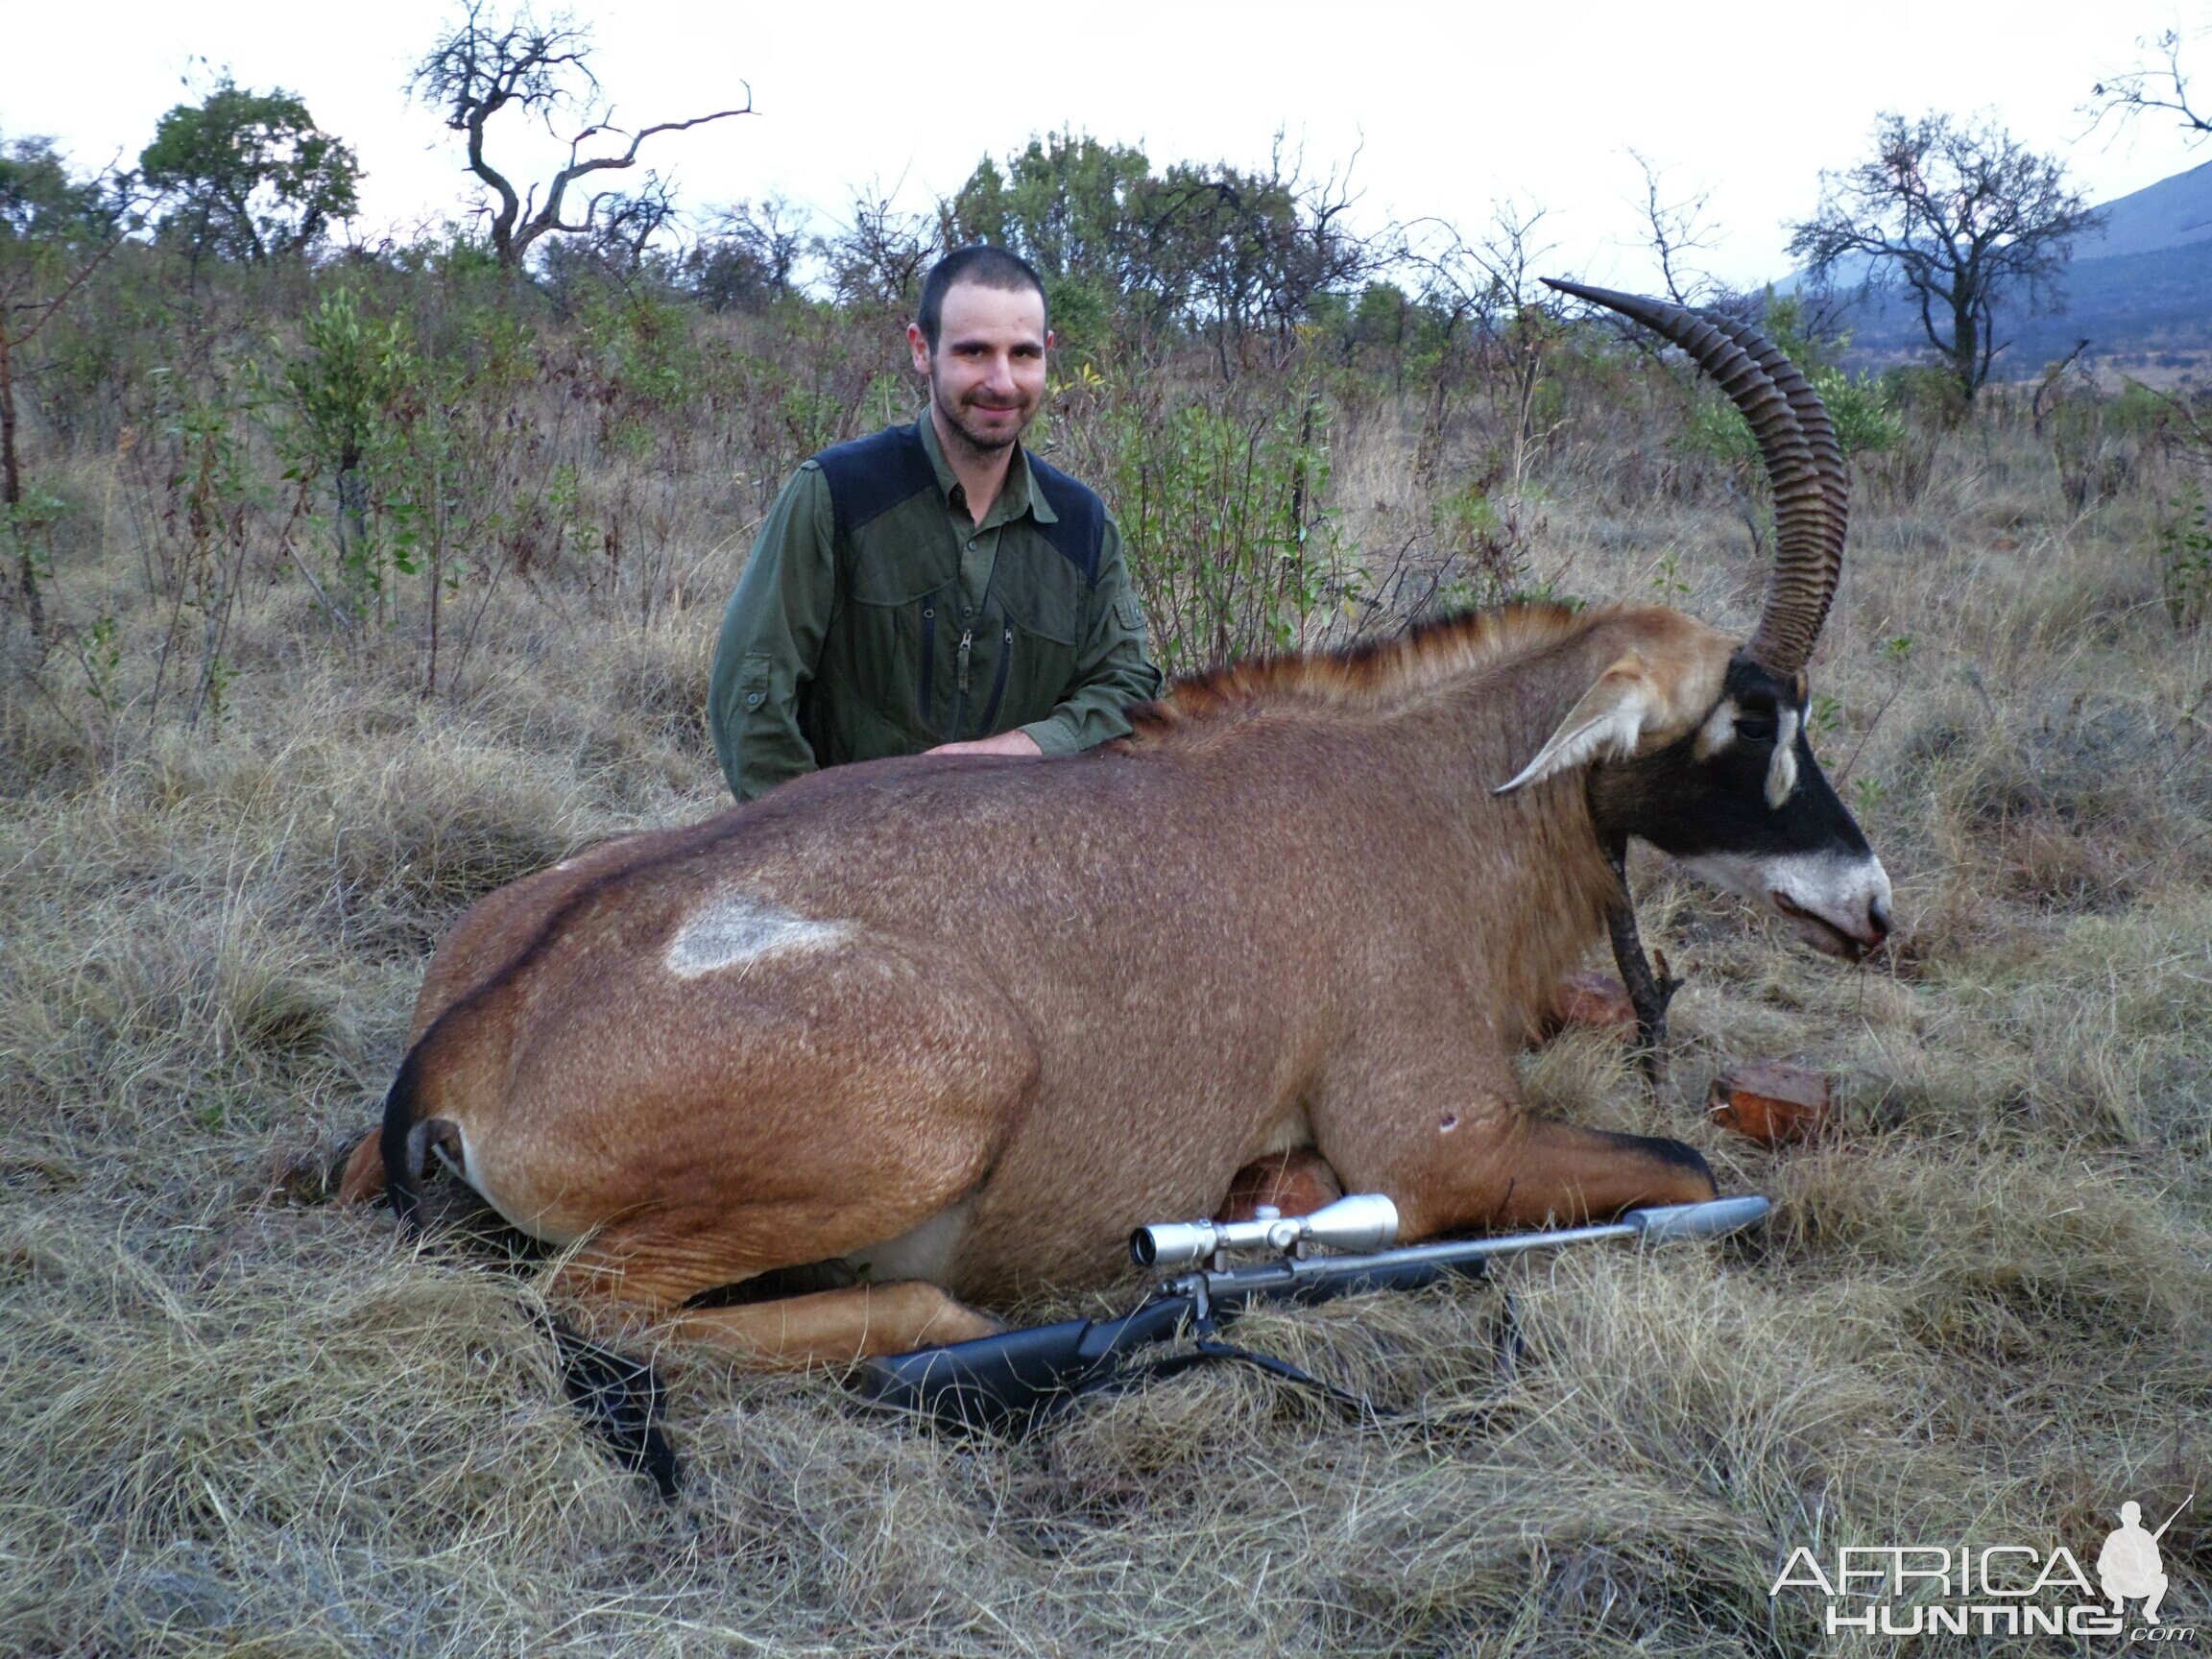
(987, 376)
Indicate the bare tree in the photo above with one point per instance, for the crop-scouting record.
(625, 232)
(2161, 87)
(1674, 231)
(1481, 296)
(883, 252)
(1962, 217)
(486, 63)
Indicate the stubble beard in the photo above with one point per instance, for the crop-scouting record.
(981, 444)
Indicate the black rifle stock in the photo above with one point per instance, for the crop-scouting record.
(1012, 1380)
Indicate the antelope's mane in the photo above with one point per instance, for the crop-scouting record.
(1373, 676)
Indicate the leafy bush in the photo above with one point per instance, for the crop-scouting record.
(1229, 543)
(2186, 559)
(1865, 410)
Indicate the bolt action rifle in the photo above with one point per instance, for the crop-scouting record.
(1011, 1382)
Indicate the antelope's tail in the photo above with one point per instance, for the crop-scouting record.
(621, 1398)
(404, 1142)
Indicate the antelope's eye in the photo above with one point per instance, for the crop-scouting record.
(1755, 728)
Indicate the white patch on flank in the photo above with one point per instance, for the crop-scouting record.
(928, 1252)
(734, 928)
(1843, 893)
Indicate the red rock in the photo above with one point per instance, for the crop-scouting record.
(1770, 1103)
(1296, 1183)
(1595, 999)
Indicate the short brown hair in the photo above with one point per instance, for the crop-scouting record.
(987, 267)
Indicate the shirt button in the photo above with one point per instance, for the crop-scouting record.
(752, 701)
(967, 609)
(971, 546)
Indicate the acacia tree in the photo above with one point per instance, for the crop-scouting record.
(248, 175)
(748, 255)
(1225, 250)
(1962, 217)
(883, 253)
(1252, 249)
(486, 63)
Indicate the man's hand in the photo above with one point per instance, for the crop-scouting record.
(1016, 742)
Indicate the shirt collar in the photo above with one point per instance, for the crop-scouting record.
(1017, 495)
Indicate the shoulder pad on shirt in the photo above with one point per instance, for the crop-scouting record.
(1080, 533)
(869, 476)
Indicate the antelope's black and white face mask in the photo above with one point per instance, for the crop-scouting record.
(1744, 805)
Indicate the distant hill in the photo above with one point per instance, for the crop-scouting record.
(2140, 291)
(2174, 212)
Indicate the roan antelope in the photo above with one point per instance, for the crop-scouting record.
(934, 1027)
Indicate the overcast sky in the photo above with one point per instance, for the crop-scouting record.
(1448, 109)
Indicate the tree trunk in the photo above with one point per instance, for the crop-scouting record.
(352, 513)
(12, 492)
(1965, 344)
(10, 476)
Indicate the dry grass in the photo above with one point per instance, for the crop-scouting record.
(236, 1426)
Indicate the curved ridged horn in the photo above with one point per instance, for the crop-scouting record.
(1804, 465)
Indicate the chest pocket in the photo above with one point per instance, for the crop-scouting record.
(1041, 629)
(893, 622)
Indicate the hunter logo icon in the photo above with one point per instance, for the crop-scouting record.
(2128, 1567)
(1992, 1588)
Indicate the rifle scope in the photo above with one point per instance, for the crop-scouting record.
(1363, 1221)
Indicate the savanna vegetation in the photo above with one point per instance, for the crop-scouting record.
(345, 586)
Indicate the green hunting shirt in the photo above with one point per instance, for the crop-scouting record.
(878, 618)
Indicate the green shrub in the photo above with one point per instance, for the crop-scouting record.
(1228, 542)
(1866, 411)
(2186, 559)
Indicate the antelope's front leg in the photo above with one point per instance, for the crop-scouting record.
(1455, 1152)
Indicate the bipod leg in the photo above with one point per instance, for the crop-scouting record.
(622, 1399)
(1506, 1339)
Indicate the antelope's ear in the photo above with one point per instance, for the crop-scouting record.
(1606, 724)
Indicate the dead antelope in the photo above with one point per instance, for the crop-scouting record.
(945, 1026)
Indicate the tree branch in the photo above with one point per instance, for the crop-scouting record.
(2136, 92)
(548, 217)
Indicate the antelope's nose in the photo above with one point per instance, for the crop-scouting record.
(1878, 922)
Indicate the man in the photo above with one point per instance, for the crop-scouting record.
(2128, 1564)
(934, 588)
